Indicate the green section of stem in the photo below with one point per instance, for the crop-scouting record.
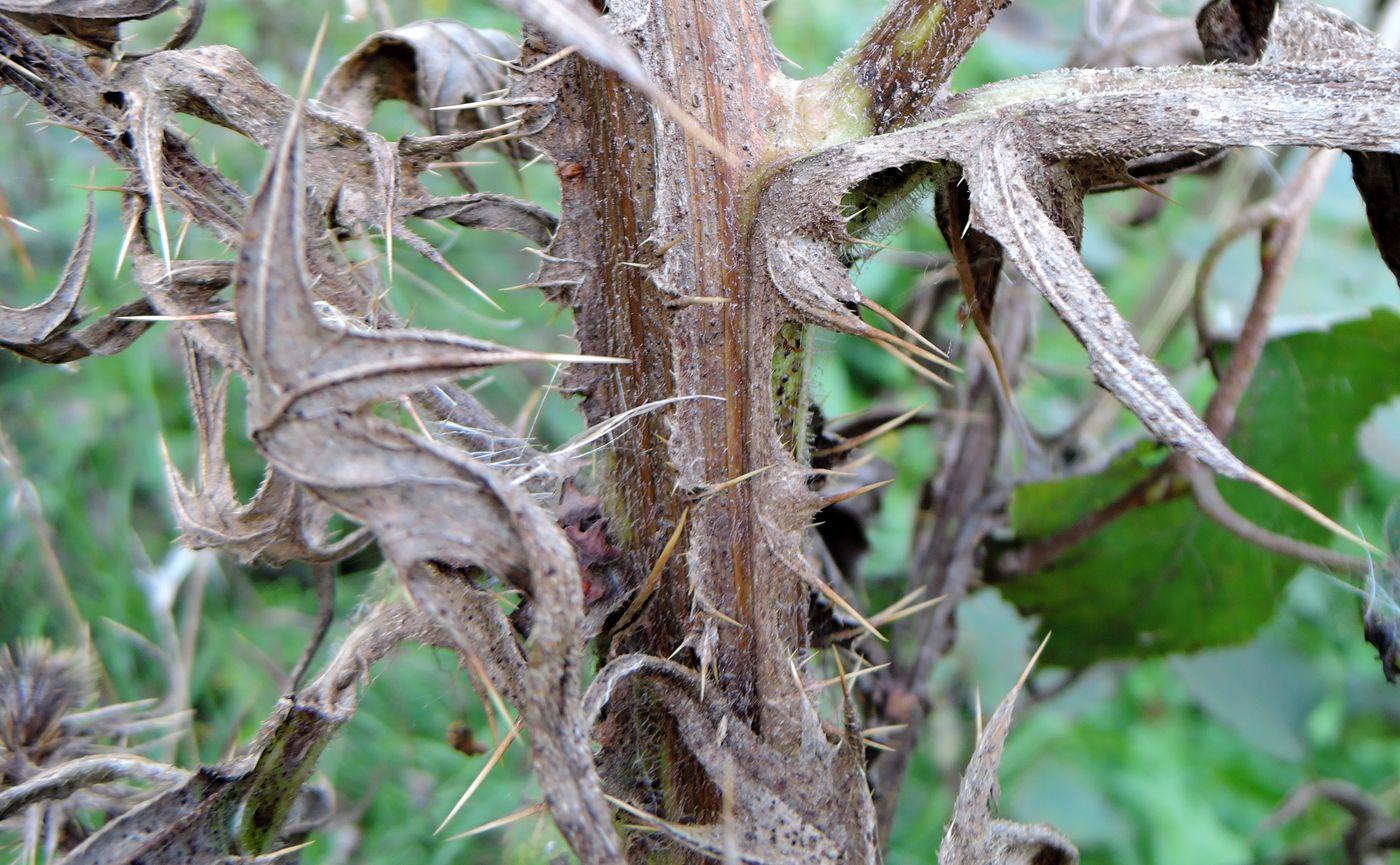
(830, 109)
(911, 38)
(791, 397)
(284, 766)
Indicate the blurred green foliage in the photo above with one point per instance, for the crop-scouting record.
(1175, 759)
(1199, 585)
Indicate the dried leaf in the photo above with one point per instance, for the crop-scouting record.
(801, 808)
(146, 118)
(1000, 193)
(65, 779)
(312, 383)
(428, 64)
(189, 825)
(110, 334)
(493, 213)
(973, 837)
(364, 180)
(195, 823)
(281, 523)
(308, 364)
(91, 22)
(33, 325)
(187, 293)
(911, 52)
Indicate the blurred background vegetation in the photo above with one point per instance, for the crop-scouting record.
(1175, 759)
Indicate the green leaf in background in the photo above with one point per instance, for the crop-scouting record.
(1164, 578)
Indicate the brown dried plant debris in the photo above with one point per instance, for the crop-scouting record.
(59, 745)
(92, 22)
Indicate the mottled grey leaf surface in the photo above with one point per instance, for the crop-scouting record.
(92, 22)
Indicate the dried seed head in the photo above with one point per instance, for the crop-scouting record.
(39, 685)
(50, 719)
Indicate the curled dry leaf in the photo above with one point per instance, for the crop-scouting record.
(495, 213)
(191, 823)
(973, 837)
(376, 183)
(786, 811)
(281, 523)
(81, 773)
(33, 325)
(312, 385)
(430, 65)
(45, 331)
(91, 22)
(1055, 268)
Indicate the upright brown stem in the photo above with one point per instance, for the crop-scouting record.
(656, 234)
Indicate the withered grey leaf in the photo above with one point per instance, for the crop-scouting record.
(493, 213)
(32, 325)
(309, 363)
(479, 431)
(906, 75)
(67, 778)
(56, 79)
(188, 290)
(194, 824)
(790, 808)
(427, 64)
(362, 179)
(474, 625)
(91, 22)
(146, 117)
(973, 837)
(427, 504)
(194, 19)
(1003, 205)
(217, 84)
(281, 523)
(108, 335)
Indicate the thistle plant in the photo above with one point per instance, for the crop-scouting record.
(711, 211)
